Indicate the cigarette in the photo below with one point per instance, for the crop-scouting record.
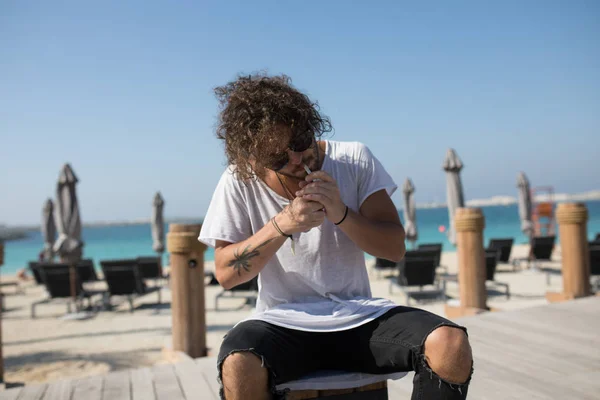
(308, 171)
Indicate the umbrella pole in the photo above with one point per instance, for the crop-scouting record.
(72, 281)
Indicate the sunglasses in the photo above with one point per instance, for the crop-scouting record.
(298, 144)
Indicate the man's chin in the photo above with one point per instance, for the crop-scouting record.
(295, 173)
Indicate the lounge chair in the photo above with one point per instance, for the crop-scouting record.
(212, 279)
(86, 270)
(123, 278)
(491, 261)
(247, 290)
(418, 268)
(503, 245)
(381, 264)
(437, 248)
(540, 249)
(57, 279)
(33, 267)
(151, 268)
(431, 246)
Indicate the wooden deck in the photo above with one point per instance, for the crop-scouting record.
(548, 352)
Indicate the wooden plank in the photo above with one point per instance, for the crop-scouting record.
(208, 366)
(589, 383)
(116, 386)
(372, 386)
(561, 320)
(530, 354)
(142, 387)
(33, 392)
(302, 395)
(89, 388)
(522, 364)
(10, 394)
(556, 314)
(191, 381)
(553, 325)
(554, 318)
(547, 349)
(61, 390)
(512, 384)
(561, 336)
(520, 370)
(334, 392)
(166, 384)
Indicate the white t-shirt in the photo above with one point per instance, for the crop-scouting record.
(325, 286)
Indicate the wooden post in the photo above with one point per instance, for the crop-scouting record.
(469, 224)
(572, 221)
(187, 289)
(1, 304)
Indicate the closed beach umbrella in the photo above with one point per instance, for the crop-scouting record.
(48, 229)
(454, 189)
(525, 204)
(410, 212)
(158, 224)
(68, 246)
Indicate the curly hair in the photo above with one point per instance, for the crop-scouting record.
(252, 110)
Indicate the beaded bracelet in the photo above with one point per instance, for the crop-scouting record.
(345, 215)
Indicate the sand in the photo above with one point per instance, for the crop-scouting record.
(49, 348)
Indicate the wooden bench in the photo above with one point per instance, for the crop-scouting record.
(341, 385)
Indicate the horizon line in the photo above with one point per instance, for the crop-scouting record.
(592, 195)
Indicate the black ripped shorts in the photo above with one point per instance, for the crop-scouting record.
(390, 343)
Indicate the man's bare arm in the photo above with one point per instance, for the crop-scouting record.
(377, 229)
(236, 263)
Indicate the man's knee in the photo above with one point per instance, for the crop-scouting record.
(244, 376)
(243, 364)
(448, 353)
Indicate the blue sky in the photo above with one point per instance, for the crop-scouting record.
(123, 91)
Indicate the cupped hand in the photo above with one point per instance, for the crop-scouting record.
(301, 215)
(319, 186)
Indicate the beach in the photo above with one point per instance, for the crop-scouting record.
(48, 348)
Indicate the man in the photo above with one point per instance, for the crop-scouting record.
(300, 213)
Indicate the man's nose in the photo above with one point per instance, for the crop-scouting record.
(295, 158)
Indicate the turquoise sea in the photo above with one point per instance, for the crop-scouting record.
(130, 241)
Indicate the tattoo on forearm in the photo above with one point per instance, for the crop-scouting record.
(242, 260)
